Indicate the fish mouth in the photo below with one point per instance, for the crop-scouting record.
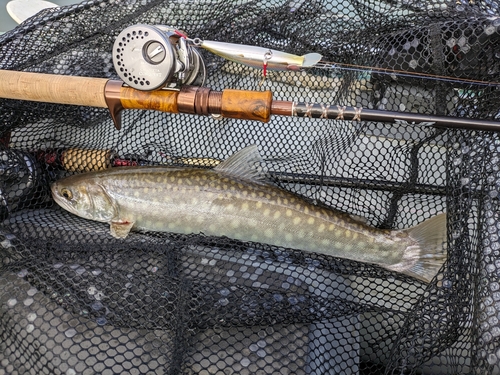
(53, 189)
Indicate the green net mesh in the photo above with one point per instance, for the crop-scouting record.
(75, 300)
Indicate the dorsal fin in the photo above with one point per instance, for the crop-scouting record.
(246, 164)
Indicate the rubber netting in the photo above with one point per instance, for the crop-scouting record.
(74, 300)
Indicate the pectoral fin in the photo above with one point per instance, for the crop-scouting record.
(121, 229)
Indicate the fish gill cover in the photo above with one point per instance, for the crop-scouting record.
(76, 300)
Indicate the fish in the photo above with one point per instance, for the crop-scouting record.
(236, 200)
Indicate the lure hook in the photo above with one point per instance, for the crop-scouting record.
(267, 56)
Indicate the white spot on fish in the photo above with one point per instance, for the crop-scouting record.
(297, 220)
(276, 215)
(244, 207)
(269, 233)
(289, 213)
(310, 221)
(321, 228)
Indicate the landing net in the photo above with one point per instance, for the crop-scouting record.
(74, 300)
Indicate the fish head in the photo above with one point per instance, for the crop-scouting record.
(86, 198)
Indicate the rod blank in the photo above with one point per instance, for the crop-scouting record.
(336, 112)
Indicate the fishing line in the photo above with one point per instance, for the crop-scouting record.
(402, 73)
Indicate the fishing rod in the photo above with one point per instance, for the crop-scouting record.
(236, 104)
(162, 70)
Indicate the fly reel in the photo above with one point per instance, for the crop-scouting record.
(154, 57)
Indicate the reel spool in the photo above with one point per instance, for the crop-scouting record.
(154, 57)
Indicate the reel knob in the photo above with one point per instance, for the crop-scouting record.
(153, 57)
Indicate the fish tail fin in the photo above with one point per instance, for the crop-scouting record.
(426, 256)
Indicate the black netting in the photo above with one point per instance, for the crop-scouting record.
(75, 300)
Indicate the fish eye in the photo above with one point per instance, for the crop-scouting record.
(66, 193)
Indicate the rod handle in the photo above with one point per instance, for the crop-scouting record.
(239, 104)
(159, 100)
(247, 105)
(52, 88)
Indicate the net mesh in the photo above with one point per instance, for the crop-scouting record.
(74, 300)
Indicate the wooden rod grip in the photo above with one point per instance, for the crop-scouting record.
(159, 100)
(52, 88)
(247, 105)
